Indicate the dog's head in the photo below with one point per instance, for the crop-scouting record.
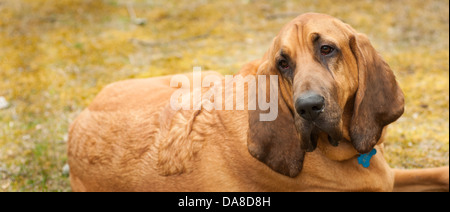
(331, 80)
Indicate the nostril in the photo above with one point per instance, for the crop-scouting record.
(302, 112)
(316, 108)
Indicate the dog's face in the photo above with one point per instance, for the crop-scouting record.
(314, 57)
(331, 81)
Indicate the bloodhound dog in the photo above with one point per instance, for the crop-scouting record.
(336, 95)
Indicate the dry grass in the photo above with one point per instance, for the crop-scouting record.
(56, 55)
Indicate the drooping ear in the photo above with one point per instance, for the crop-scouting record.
(379, 100)
(275, 143)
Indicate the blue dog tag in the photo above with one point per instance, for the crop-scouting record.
(364, 159)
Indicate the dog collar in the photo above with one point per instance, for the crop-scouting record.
(364, 159)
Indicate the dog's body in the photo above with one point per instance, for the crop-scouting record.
(129, 139)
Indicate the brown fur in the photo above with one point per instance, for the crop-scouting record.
(129, 139)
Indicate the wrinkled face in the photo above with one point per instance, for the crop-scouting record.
(320, 75)
(332, 85)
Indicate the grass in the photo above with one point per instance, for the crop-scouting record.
(55, 56)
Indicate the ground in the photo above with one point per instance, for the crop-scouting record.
(55, 56)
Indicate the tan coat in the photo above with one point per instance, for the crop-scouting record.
(129, 138)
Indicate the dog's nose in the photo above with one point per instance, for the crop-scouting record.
(310, 105)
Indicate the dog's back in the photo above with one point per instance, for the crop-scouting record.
(129, 138)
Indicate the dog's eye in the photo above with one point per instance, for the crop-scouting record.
(283, 64)
(326, 50)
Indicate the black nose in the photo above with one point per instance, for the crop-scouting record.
(310, 105)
